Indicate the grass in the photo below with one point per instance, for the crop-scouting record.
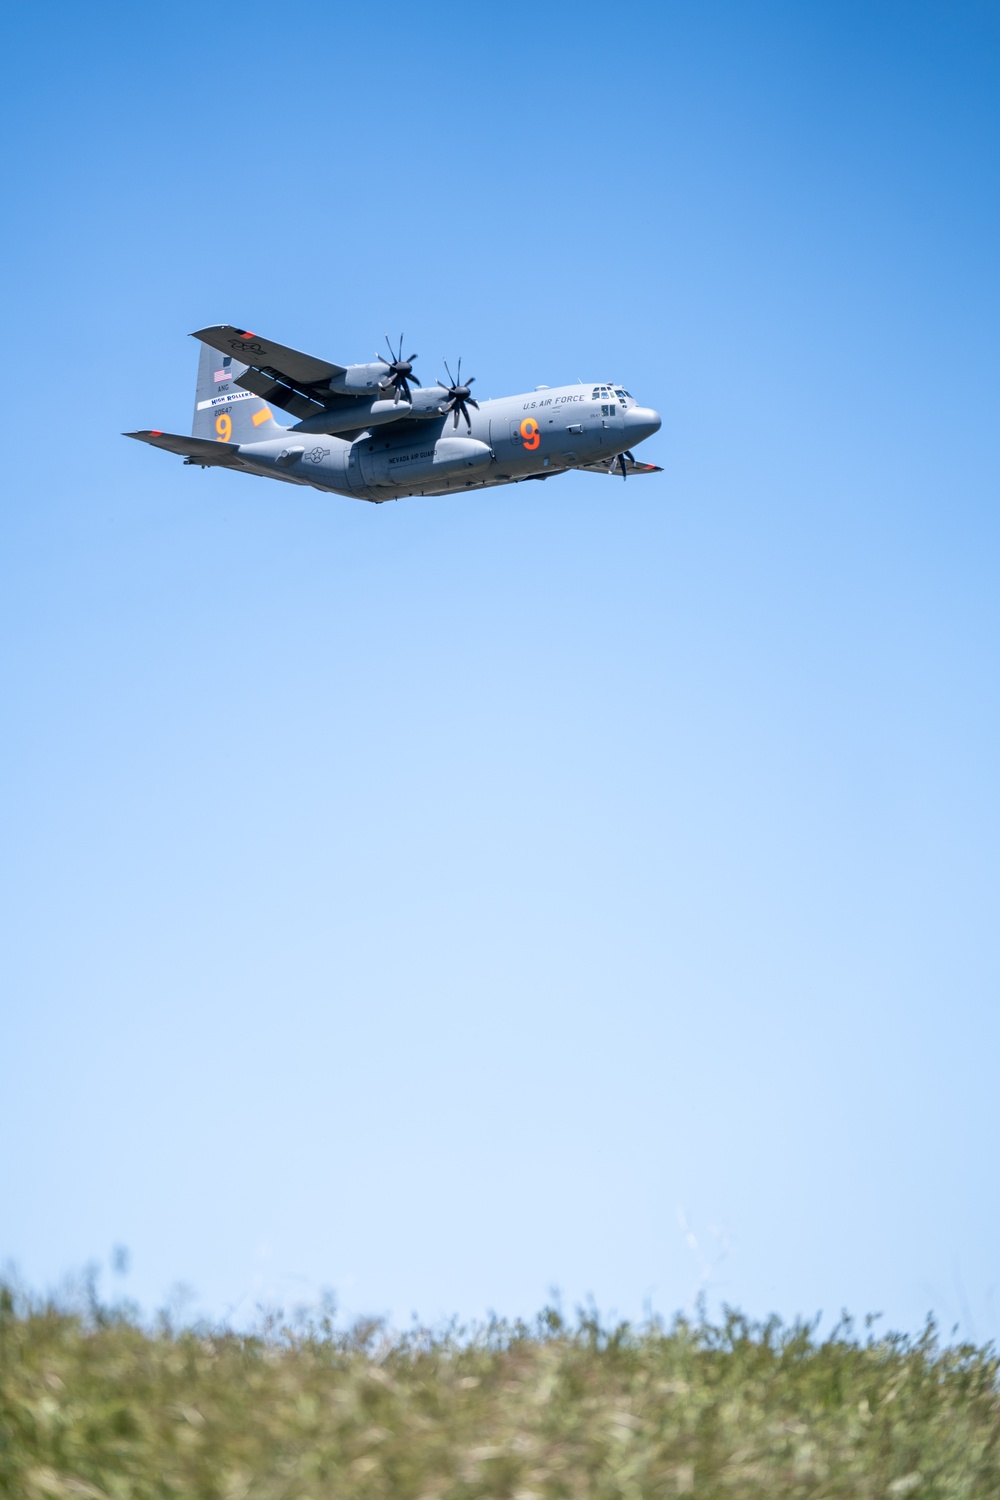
(95, 1404)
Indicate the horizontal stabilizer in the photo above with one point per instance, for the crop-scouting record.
(198, 450)
(251, 349)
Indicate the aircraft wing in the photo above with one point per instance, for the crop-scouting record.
(297, 383)
(613, 466)
(198, 450)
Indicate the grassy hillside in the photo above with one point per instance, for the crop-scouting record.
(93, 1404)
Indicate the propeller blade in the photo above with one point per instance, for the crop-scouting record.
(624, 469)
(473, 402)
(455, 409)
(471, 380)
(411, 357)
(413, 377)
(468, 419)
(451, 378)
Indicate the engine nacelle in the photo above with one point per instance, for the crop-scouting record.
(422, 462)
(359, 380)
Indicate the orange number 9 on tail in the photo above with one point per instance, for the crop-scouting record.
(224, 426)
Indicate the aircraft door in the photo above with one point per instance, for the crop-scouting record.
(612, 428)
(355, 478)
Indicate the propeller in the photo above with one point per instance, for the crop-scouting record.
(460, 398)
(619, 462)
(400, 371)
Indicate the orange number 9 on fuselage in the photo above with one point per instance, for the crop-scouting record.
(224, 426)
(530, 433)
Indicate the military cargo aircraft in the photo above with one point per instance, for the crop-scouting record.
(371, 431)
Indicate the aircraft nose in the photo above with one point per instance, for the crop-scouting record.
(641, 422)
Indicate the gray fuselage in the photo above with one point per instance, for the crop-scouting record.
(516, 437)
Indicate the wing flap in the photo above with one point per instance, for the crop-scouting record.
(277, 392)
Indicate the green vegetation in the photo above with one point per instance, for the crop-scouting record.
(94, 1404)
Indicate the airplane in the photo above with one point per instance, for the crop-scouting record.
(373, 432)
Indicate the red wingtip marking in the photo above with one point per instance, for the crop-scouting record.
(156, 433)
(248, 335)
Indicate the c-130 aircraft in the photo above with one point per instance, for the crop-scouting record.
(371, 431)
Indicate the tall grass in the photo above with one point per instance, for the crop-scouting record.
(95, 1404)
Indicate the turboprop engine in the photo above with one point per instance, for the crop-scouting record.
(422, 461)
(359, 380)
(394, 374)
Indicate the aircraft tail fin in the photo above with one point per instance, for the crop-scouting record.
(223, 412)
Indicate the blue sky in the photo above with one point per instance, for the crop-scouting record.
(579, 885)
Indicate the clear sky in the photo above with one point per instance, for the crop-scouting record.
(582, 885)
